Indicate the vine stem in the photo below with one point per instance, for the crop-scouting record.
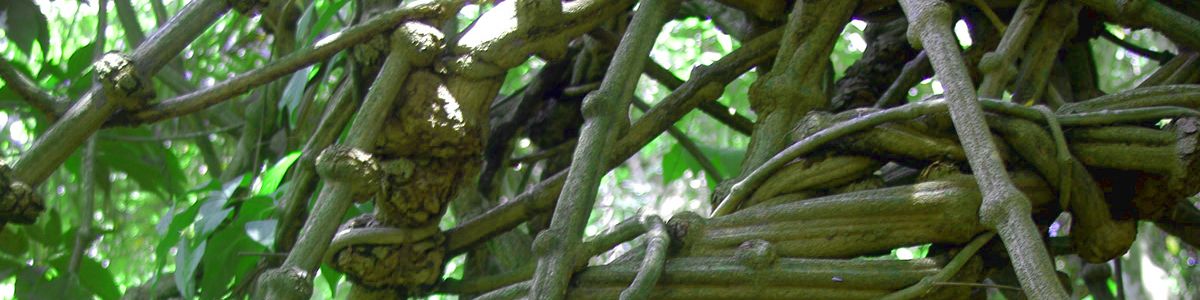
(948, 271)
(29, 91)
(624, 231)
(1004, 208)
(998, 66)
(1177, 26)
(744, 188)
(294, 205)
(602, 111)
(657, 241)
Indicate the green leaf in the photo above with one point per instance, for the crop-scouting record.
(14, 243)
(274, 175)
(213, 212)
(185, 267)
(92, 276)
(32, 284)
(305, 25)
(154, 167)
(8, 268)
(262, 232)
(295, 89)
(48, 232)
(80, 86)
(673, 164)
(223, 265)
(332, 277)
(24, 24)
(80, 61)
(328, 14)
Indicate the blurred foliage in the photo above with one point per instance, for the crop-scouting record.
(161, 215)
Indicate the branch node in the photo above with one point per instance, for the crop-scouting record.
(285, 283)
(757, 254)
(121, 82)
(344, 164)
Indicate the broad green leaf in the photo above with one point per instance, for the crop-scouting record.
(262, 232)
(33, 284)
(331, 277)
(80, 61)
(304, 26)
(222, 265)
(213, 212)
(186, 262)
(8, 268)
(328, 14)
(295, 89)
(274, 175)
(154, 167)
(48, 230)
(15, 243)
(673, 164)
(92, 276)
(80, 86)
(25, 24)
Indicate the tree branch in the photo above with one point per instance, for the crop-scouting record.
(198, 100)
(41, 100)
(88, 114)
(1004, 208)
(1179, 27)
(998, 66)
(294, 206)
(601, 110)
(663, 76)
(1160, 57)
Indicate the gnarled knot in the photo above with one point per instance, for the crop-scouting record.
(418, 190)
(370, 54)
(547, 241)
(688, 229)
(421, 42)
(121, 82)
(378, 257)
(756, 254)
(285, 283)
(344, 164)
(18, 202)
